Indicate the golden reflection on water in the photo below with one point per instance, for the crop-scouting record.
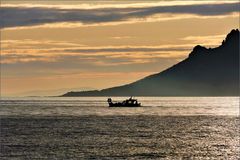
(161, 106)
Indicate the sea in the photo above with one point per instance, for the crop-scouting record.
(79, 106)
(168, 128)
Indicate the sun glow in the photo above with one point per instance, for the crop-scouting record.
(78, 43)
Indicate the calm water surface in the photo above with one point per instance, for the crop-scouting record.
(78, 106)
(86, 128)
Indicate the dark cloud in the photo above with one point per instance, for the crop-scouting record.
(16, 16)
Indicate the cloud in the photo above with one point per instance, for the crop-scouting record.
(112, 4)
(97, 56)
(27, 16)
(36, 44)
(211, 40)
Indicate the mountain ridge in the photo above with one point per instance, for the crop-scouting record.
(205, 72)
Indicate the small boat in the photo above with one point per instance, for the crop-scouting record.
(127, 103)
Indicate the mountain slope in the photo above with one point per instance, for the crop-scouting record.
(206, 72)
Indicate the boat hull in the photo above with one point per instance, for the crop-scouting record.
(122, 105)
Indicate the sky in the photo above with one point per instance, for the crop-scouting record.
(51, 47)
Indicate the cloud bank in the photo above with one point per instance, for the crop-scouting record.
(27, 16)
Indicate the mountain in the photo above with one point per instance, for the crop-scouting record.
(206, 72)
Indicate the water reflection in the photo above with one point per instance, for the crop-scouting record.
(77, 106)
